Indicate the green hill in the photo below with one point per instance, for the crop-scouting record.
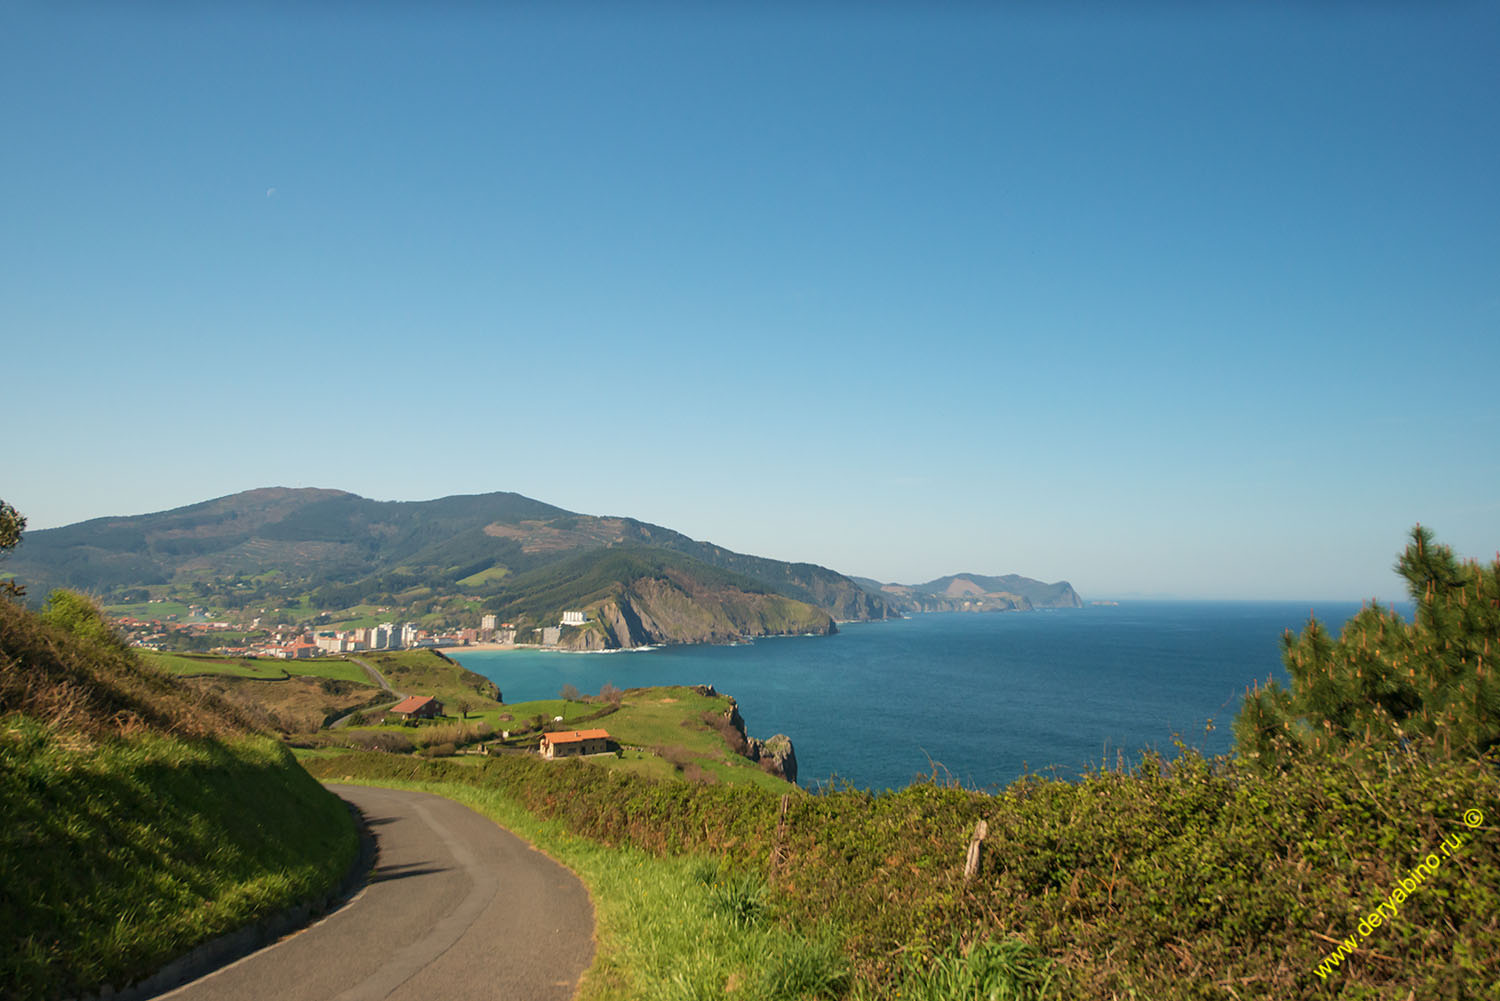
(326, 550)
(141, 818)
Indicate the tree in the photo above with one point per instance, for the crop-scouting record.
(569, 693)
(609, 693)
(464, 707)
(1386, 681)
(12, 524)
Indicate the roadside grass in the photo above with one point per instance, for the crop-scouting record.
(1005, 969)
(669, 928)
(140, 816)
(117, 858)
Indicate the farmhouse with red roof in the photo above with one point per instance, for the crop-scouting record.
(566, 743)
(417, 707)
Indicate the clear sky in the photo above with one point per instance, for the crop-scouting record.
(1194, 299)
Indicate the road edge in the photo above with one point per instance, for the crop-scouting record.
(219, 952)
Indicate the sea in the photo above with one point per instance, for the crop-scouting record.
(977, 698)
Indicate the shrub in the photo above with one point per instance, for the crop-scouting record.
(695, 772)
(726, 729)
(744, 898)
(809, 968)
(678, 757)
(382, 740)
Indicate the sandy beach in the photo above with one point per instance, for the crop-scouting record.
(483, 646)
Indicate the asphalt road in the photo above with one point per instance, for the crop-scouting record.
(456, 908)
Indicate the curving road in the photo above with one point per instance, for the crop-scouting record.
(455, 908)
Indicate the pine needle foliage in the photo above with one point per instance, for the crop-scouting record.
(1425, 685)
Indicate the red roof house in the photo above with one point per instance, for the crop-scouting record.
(417, 707)
(570, 742)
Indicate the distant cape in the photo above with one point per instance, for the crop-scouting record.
(970, 592)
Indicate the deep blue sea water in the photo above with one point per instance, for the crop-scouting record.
(986, 696)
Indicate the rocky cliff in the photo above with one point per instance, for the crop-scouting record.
(776, 753)
(672, 608)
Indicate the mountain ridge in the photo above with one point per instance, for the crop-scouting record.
(449, 558)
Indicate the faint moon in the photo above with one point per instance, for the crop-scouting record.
(270, 192)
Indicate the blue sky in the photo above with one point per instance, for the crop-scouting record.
(1201, 302)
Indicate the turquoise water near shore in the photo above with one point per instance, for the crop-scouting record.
(986, 697)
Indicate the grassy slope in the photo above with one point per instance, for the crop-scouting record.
(141, 818)
(189, 664)
(255, 667)
(667, 722)
(426, 672)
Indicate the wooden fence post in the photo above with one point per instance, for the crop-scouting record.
(971, 861)
(778, 851)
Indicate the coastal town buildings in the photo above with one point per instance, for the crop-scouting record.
(284, 642)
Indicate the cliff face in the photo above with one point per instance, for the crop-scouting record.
(775, 753)
(657, 610)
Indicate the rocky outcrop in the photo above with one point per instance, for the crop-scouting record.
(775, 754)
(590, 638)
